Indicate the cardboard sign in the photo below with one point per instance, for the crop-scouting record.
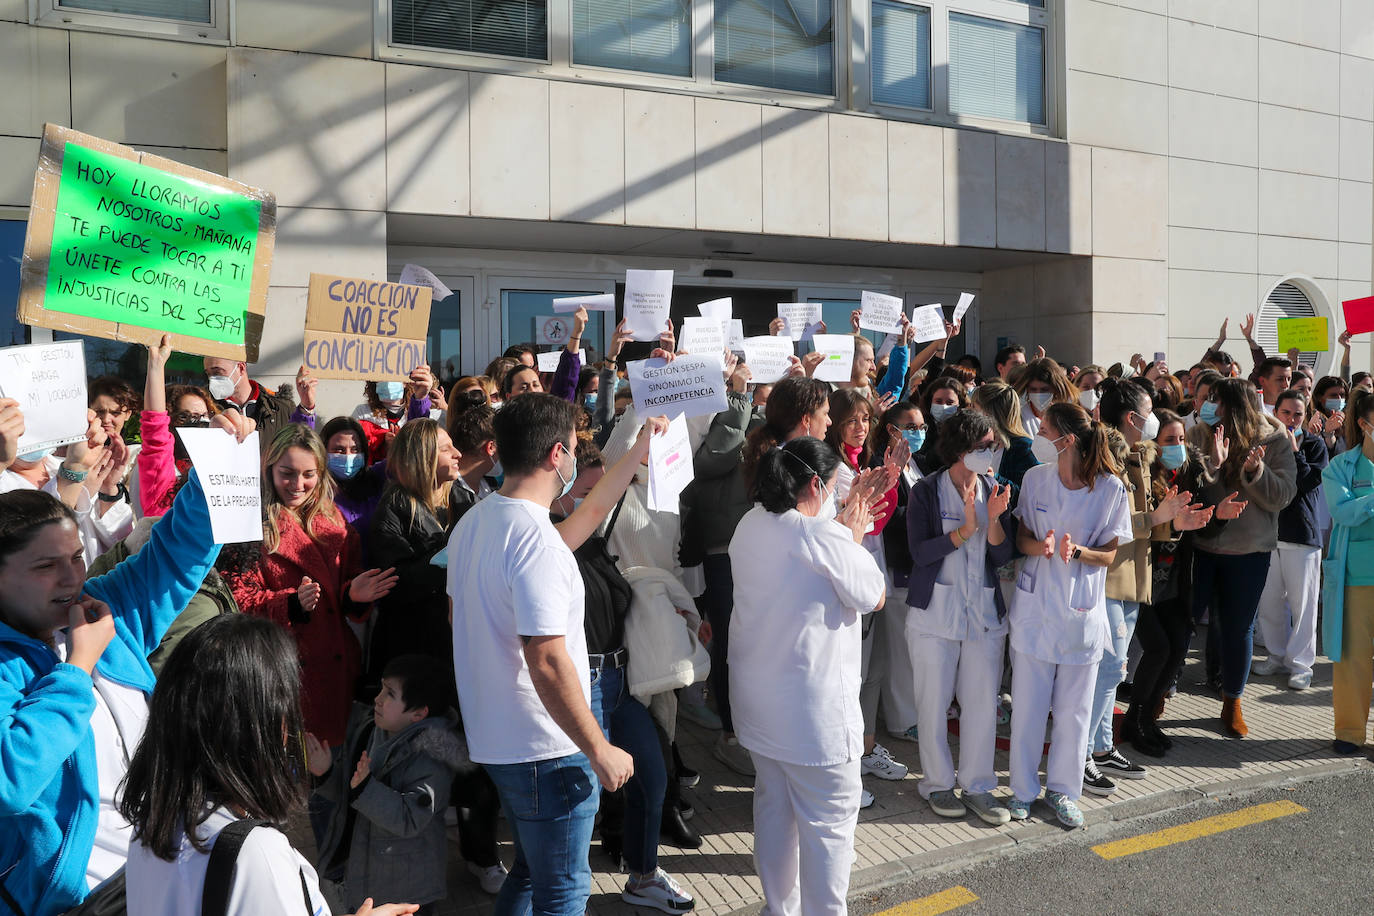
(368, 330)
(798, 315)
(548, 362)
(965, 300)
(670, 466)
(551, 329)
(838, 350)
(1309, 335)
(703, 336)
(879, 312)
(604, 302)
(415, 275)
(767, 358)
(648, 295)
(49, 382)
(231, 474)
(690, 386)
(929, 321)
(129, 246)
(1359, 314)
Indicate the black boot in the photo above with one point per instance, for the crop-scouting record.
(677, 832)
(1133, 730)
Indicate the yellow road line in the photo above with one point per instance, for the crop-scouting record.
(1192, 831)
(934, 904)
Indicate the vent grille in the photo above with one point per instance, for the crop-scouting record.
(1286, 301)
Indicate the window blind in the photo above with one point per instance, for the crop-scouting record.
(777, 44)
(900, 57)
(179, 10)
(652, 36)
(511, 28)
(996, 69)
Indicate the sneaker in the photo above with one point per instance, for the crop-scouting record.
(1003, 713)
(659, 891)
(988, 807)
(1065, 809)
(1300, 681)
(1018, 809)
(866, 799)
(1094, 781)
(946, 804)
(491, 878)
(1115, 763)
(1271, 665)
(687, 777)
(699, 714)
(729, 752)
(908, 735)
(1345, 748)
(880, 764)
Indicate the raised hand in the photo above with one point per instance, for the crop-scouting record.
(386, 909)
(1170, 506)
(1221, 446)
(363, 770)
(308, 594)
(1247, 326)
(666, 340)
(999, 500)
(305, 387)
(1255, 459)
(618, 340)
(1344, 339)
(316, 755)
(11, 429)
(90, 629)
(810, 361)
(234, 423)
(854, 320)
(728, 362)
(1192, 517)
(795, 369)
(372, 585)
(857, 517)
(777, 327)
(883, 403)
(898, 454)
(741, 376)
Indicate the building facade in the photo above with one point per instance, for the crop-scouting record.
(1110, 176)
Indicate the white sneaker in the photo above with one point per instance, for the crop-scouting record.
(1271, 665)
(659, 891)
(880, 764)
(866, 798)
(491, 878)
(1300, 681)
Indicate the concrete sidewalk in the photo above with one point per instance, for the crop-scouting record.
(1290, 732)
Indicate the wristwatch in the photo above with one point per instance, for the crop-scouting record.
(1077, 553)
(117, 496)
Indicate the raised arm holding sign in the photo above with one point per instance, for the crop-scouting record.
(929, 321)
(368, 330)
(767, 358)
(690, 385)
(836, 353)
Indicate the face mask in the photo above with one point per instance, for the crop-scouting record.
(1150, 429)
(221, 386)
(568, 484)
(497, 405)
(35, 457)
(440, 559)
(589, 401)
(1089, 399)
(942, 412)
(1207, 413)
(1040, 400)
(1173, 456)
(498, 474)
(345, 466)
(577, 502)
(1044, 450)
(390, 391)
(979, 461)
(914, 438)
(1335, 405)
(828, 509)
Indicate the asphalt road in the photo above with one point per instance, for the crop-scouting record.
(1315, 860)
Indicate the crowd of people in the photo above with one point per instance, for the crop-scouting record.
(468, 602)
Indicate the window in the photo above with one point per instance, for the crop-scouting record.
(12, 333)
(653, 36)
(524, 312)
(511, 28)
(195, 20)
(442, 340)
(901, 54)
(776, 44)
(996, 69)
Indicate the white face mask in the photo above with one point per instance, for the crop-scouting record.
(1045, 450)
(1089, 399)
(979, 460)
(1040, 400)
(827, 509)
(222, 386)
(1150, 429)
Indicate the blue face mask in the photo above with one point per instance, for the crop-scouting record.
(914, 438)
(1335, 405)
(391, 391)
(942, 412)
(589, 401)
(1207, 413)
(1173, 457)
(35, 457)
(345, 466)
(568, 484)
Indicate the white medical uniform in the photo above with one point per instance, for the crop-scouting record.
(899, 687)
(1059, 627)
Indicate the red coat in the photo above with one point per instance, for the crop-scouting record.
(330, 656)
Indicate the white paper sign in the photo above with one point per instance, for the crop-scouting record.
(648, 294)
(690, 385)
(552, 329)
(734, 334)
(767, 358)
(929, 321)
(604, 302)
(798, 315)
(49, 382)
(879, 312)
(721, 310)
(703, 336)
(670, 466)
(548, 362)
(890, 341)
(231, 474)
(416, 275)
(838, 350)
(965, 300)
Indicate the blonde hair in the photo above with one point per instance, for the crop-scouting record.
(319, 501)
(1002, 405)
(412, 460)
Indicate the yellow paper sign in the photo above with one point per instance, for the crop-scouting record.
(1310, 335)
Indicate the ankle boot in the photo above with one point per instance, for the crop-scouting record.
(1231, 720)
(675, 831)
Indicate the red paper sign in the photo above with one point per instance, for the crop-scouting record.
(1359, 314)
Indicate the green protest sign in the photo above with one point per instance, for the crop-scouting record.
(129, 246)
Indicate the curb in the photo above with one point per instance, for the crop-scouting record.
(1034, 836)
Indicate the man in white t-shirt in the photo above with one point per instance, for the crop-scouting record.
(1274, 376)
(520, 657)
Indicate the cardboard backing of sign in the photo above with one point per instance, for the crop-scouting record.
(387, 321)
(38, 244)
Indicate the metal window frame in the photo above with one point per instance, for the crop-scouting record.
(219, 31)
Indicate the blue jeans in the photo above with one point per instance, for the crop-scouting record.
(1231, 585)
(1111, 671)
(551, 808)
(629, 726)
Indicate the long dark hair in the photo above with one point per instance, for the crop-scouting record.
(784, 472)
(224, 728)
(1119, 398)
(22, 513)
(791, 401)
(845, 403)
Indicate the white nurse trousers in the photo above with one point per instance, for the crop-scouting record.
(804, 820)
(972, 671)
(1288, 606)
(899, 695)
(1036, 688)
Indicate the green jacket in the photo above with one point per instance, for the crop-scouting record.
(717, 498)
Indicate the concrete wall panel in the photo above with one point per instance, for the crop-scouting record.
(915, 183)
(1282, 254)
(1299, 77)
(510, 147)
(1021, 193)
(586, 153)
(1212, 249)
(1199, 299)
(1212, 127)
(970, 188)
(1357, 150)
(1212, 60)
(1204, 195)
(1357, 88)
(796, 172)
(1237, 15)
(1298, 205)
(1118, 113)
(858, 177)
(1130, 205)
(729, 166)
(18, 157)
(660, 164)
(1118, 41)
(323, 241)
(1353, 261)
(428, 133)
(1068, 198)
(1315, 23)
(1357, 212)
(1126, 286)
(1357, 28)
(1299, 141)
(339, 27)
(36, 79)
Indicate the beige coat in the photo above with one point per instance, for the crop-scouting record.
(1130, 576)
